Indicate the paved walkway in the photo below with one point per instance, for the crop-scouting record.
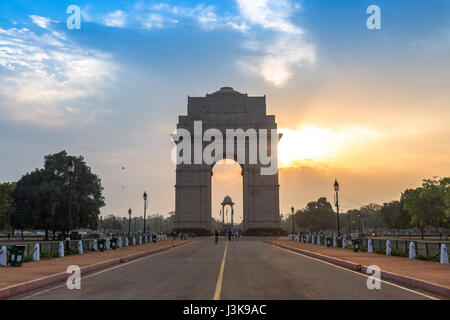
(423, 270)
(38, 269)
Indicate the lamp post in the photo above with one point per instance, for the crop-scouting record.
(160, 224)
(145, 208)
(70, 170)
(129, 222)
(336, 188)
(293, 220)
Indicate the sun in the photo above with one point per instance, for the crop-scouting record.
(306, 143)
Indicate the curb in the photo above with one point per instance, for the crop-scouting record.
(408, 281)
(59, 277)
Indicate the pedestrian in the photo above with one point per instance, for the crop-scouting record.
(174, 234)
(216, 236)
(236, 235)
(229, 235)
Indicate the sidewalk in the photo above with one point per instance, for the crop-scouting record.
(420, 273)
(89, 260)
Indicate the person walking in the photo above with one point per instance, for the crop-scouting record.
(229, 235)
(216, 236)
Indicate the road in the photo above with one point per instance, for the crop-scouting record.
(251, 269)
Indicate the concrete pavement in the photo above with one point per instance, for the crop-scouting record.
(252, 269)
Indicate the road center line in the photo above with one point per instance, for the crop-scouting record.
(220, 279)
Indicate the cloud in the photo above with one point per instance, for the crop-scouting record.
(41, 21)
(115, 19)
(47, 80)
(278, 56)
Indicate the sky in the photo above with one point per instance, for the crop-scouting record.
(368, 107)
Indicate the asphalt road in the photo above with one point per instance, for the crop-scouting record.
(251, 269)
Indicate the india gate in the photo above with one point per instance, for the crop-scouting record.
(222, 110)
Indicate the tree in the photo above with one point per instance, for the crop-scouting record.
(7, 205)
(427, 204)
(394, 216)
(42, 196)
(317, 215)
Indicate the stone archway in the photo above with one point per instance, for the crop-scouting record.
(222, 110)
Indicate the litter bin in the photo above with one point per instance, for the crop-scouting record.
(16, 255)
(356, 244)
(101, 245)
(113, 243)
(329, 241)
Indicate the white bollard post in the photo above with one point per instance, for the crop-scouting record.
(94, 245)
(444, 254)
(307, 238)
(369, 246)
(80, 247)
(119, 242)
(107, 245)
(159, 237)
(61, 249)
(412, 250)
(344, 242)
(126, 242)
(388, 248)
(36, 252)
(334, 241)
(313, 239)
(140, 240)
(318, 240)
(3, 256)
(134, 241)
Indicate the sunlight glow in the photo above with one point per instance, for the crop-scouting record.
(311, 143)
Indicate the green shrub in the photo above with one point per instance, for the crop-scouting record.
(193, 232)
(267, 232)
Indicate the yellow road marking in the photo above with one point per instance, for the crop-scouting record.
(220, 279)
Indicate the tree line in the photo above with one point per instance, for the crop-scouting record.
(427, 206)
(39, 200)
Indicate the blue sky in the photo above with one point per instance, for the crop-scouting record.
(112, 90)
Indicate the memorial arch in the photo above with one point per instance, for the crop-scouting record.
(222, 110)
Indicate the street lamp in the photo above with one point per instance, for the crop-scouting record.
(129, 222)
(70, 170)
(293, 220)
(336, 188)
(145, 208)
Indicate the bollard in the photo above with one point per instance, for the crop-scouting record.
(444, 254)
(94, 245)
(36, 253)
(107, 245)
(119, 242)
(80, 247)
(344, 242)
(140, 240)
(412, 250)
(61, 249)
(3, 256)
(388, 248)
(318, 240)
(369, 246)
(334, 241)
(313, 240)
(134, 241)
(126, 242)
